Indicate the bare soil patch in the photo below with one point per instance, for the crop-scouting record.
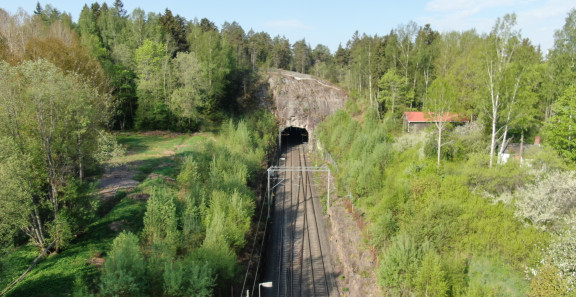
(139, 196)
(96, 261)
(118, 226)
(165, 178)
(118, 178)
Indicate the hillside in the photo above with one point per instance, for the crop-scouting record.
(166, 115)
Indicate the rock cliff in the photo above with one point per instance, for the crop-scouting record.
(300, 100)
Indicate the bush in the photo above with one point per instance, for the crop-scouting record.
(562, 254)
(383, 229)
(547, 201)
(61, 231)
(188, 278)
(399, 266)
(160, 221)
(431, 279)
(125, 269)
(548, 283)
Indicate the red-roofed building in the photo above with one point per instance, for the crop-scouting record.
(418, 120)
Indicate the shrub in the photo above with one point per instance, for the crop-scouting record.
(548, 200)
(125, 269)
(431, 279)
(188, 278)
(548, 283)
(160, 221)
(399, 266)
(562, 254)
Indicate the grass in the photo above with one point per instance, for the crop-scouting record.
(142, 147)
(55, 274)
(157, 153)
(496, 278)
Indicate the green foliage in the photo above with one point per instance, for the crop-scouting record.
(414, 205)
(125, 269)
(187, 97)
(228, 219)
(562, 54)
(548, 283)
(154, 85)
(52, 121)
(431, 279)
(366, 154)
(384, 227)
(221, 260)
(490, 277)
(16, 194)
(393, 90)
(558, 128)
(504, 178)
(399, 266)
(216, 64)
(60, 231)
(188, 278)
(161, 222)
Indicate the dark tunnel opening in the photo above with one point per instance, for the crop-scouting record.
(294, 136)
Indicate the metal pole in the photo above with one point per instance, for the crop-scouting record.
(328, 201)
(268, 193)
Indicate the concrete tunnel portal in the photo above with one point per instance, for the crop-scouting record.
(293, 136)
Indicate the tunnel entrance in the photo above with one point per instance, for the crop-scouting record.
(294, 136)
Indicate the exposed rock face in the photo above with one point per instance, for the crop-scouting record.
(301, 100)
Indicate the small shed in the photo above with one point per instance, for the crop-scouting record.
(515, 151)
(417, 120)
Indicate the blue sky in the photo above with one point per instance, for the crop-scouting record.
(334, 22)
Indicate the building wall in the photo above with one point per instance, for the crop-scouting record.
(416, 127)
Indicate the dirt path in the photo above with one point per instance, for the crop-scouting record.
(118, 178)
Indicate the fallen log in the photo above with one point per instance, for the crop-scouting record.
(14, 283)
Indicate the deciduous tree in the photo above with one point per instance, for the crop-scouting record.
(440, 106)
(55, 121)
(501, 84)
(392, 90)
(560, 129)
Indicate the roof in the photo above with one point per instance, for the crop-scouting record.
(428, 117)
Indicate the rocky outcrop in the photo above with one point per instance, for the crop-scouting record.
(300, 100)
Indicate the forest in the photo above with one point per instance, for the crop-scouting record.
(443, 213)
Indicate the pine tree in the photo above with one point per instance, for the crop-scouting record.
(125, 269)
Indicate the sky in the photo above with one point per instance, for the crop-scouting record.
(334, 22)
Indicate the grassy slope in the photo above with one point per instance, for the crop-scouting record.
(55, 275)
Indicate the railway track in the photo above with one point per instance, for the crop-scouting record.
(301, 268)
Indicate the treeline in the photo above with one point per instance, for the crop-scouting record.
(500, 78)
(162, 71)
(166, 72)
(194, 230)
